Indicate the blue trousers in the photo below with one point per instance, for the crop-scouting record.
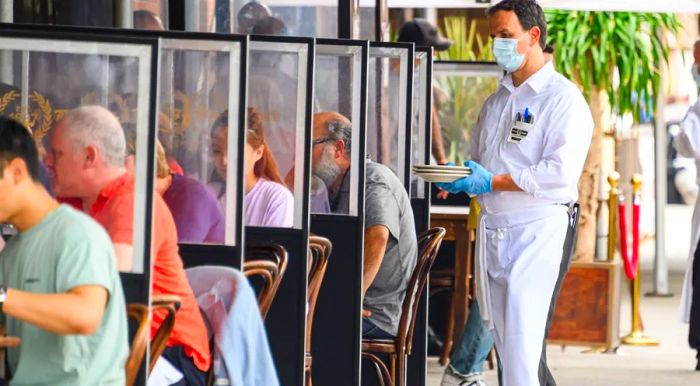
(469, 354)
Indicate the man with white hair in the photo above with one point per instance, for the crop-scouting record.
(86, 160)
(61, 301)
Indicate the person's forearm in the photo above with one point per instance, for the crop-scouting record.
(436, 135)
(373, 260)
(504, 183)
(62, 314)
(375, 246)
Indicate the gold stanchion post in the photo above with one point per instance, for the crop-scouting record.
(636, 336)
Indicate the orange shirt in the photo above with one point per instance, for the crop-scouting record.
(114, 209)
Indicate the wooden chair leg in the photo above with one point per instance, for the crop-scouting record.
(449, 332)
(307, 380)
(401, 373)
(392, 368)
(380, 369)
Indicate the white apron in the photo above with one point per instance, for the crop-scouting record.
(687, 291)
(516, 268)
(687, 142)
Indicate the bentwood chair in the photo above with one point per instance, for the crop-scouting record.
(399, 348)
(138, 312)
(320, 249)
(171, 304)
(266, 263)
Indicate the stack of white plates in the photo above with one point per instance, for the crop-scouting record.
(441, 173)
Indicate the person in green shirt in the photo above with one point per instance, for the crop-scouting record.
(62, 303)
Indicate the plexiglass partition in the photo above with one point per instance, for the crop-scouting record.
(461, 88)
(46, 74)
(340, 72)
(341, 87)
(422, 114)
(276, 140)
(389, 102)
(200, 124)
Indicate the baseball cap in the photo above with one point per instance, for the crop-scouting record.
(422, 33)
(250, 14)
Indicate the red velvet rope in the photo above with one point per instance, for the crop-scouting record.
(632, 263)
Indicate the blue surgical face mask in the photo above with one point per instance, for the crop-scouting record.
(696, 73)
(506, 53)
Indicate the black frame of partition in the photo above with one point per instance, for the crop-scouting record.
(339, 304)
(406, 178)
(417, 361)
(192, 254)
(286, 320)
(27, 31)
(136, 286)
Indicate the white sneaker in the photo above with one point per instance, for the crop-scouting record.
(453, 378)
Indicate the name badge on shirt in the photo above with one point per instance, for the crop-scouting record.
(519, 131)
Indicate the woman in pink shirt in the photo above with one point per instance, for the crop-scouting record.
(268, 202)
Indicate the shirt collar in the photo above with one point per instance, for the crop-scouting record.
(108, 192)
(111, 190)
(536, 81)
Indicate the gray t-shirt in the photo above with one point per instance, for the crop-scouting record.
(67, 249)
(387, 203)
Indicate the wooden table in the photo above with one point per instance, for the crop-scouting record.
(455, 221)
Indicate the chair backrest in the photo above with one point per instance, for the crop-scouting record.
(170, 304)
(429, 241)
(320, 249)
(257, 264)
(268, 272)
(139, 312)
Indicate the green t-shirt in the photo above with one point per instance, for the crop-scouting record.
(65, 250)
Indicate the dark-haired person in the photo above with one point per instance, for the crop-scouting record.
(528, 151)
(268, 202)
(145, 19)
(86, 158)
(60, 290)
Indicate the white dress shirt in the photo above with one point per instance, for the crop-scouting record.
(548, 162)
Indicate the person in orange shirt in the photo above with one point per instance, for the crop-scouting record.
(86, 162)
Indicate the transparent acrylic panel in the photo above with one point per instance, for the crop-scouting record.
(41, 80)
(150, 14)
(419, 123)
(199, 99)
(460, 89)
(366, 23)
(275, 134)
(386, 108)
(338, 88)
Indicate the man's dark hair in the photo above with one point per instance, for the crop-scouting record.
(529, 13)
(548, 49)
(17, 142)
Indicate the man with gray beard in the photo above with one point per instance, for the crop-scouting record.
(390, 249)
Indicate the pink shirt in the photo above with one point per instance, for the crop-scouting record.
(269, 204)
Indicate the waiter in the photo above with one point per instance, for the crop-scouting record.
(528, 149)
(687, 143)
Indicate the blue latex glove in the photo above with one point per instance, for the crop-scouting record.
(479, 182)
